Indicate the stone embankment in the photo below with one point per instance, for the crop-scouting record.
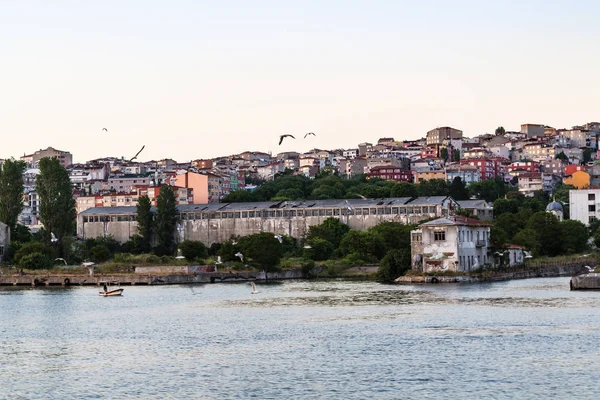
(491, 276)
(585, 282)
(139, 279)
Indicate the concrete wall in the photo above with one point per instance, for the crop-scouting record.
(217, 230)
(581, 208)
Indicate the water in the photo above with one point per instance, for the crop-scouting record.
(311, 340)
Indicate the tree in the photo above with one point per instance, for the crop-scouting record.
(35, 260)
(502, 206)
(166, 218)
(100, 253)
(509, 223)
(497, 238)
(597, 238)
(433, 187)
(489, 190)
(393, 235)
(320, 249)
(145, 222)
(562, 156)
(587, 155)
(57, 206)
(193, 250)
(444, 154)
(547, 232)
(367, 245)
(458, 190)
(456, 155)
(561, 192)
(11, 192)
(404, 189)
(574, 236)
(263, 250)
(527, 238)
(500, 131)
(331, 230)
(394, 264)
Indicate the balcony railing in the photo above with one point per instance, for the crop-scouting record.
(481, 243)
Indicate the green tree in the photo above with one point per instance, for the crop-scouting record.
(497, 238)
(193, 250)
(166, 218)
(57, 206)
(11, 192)
(573, 235)
(489, 190)
(456, 154)
(35, 247)
(318, 249)
(35, 261)
(331, 230)
(433, 187)
(510, 224)
(561, 193)
(393, 235)
(394, 264)
(100, 253)
(597, 238)
(587, 155)
(145, 223)
(547, 229)
(262, 250)
(367, 245)
(404, 189)
(562, 156)
(239, 196)
(458, 190)
(528, 238)
(502, 206)
(444, 153)
(500, 131)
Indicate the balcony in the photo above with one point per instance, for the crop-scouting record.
(481, 243)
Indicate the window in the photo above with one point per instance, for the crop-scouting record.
(592, 208)
(591, 197)
(439, 236)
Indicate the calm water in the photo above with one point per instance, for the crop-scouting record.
(315, 340)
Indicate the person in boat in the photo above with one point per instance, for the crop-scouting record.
(105, 288)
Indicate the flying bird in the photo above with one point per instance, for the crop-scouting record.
(218, 260)
(350, 208)
(233, 242)
(136, 154)
(309, 133)
(284, 136)
(527, 254)
(308, 246)
(240, 256)
(361, 196)
(104, 129)
(254, 291)
(53, 237)
(61, 259)
(590, 269)
(278, 237)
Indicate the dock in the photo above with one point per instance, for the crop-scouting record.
(586, 282)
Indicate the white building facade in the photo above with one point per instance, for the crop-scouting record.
(584, 205)
(454, 243)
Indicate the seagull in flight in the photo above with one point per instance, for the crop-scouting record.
(61, 259)
(307, 246)
(590, 269)
(218, 260)
(527, 254)
(350, 208)
(284, 136)
(233, 242)
(240, 256)
(136, 154)
(53, 237)
(104, 129)
(309, 133)
(254, 291)
(278, 237)
(361, 196)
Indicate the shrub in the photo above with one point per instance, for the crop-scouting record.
(35, 247)
(320, 249)
(35, 260)
(192, 250)
(394, 264)
(100, 253)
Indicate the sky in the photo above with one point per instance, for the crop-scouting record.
(200, 79)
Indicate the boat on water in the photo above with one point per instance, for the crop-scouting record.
(108, 290)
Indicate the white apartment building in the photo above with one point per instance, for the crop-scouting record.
(452, 243)
(584, 205)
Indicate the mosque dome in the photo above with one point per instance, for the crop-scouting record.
(554, 206)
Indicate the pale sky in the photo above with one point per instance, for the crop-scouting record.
(198, 79)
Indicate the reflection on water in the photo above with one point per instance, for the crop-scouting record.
(324, 339)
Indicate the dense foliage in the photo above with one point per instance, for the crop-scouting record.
(11, 192)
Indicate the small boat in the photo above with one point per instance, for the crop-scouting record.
(108, 291)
